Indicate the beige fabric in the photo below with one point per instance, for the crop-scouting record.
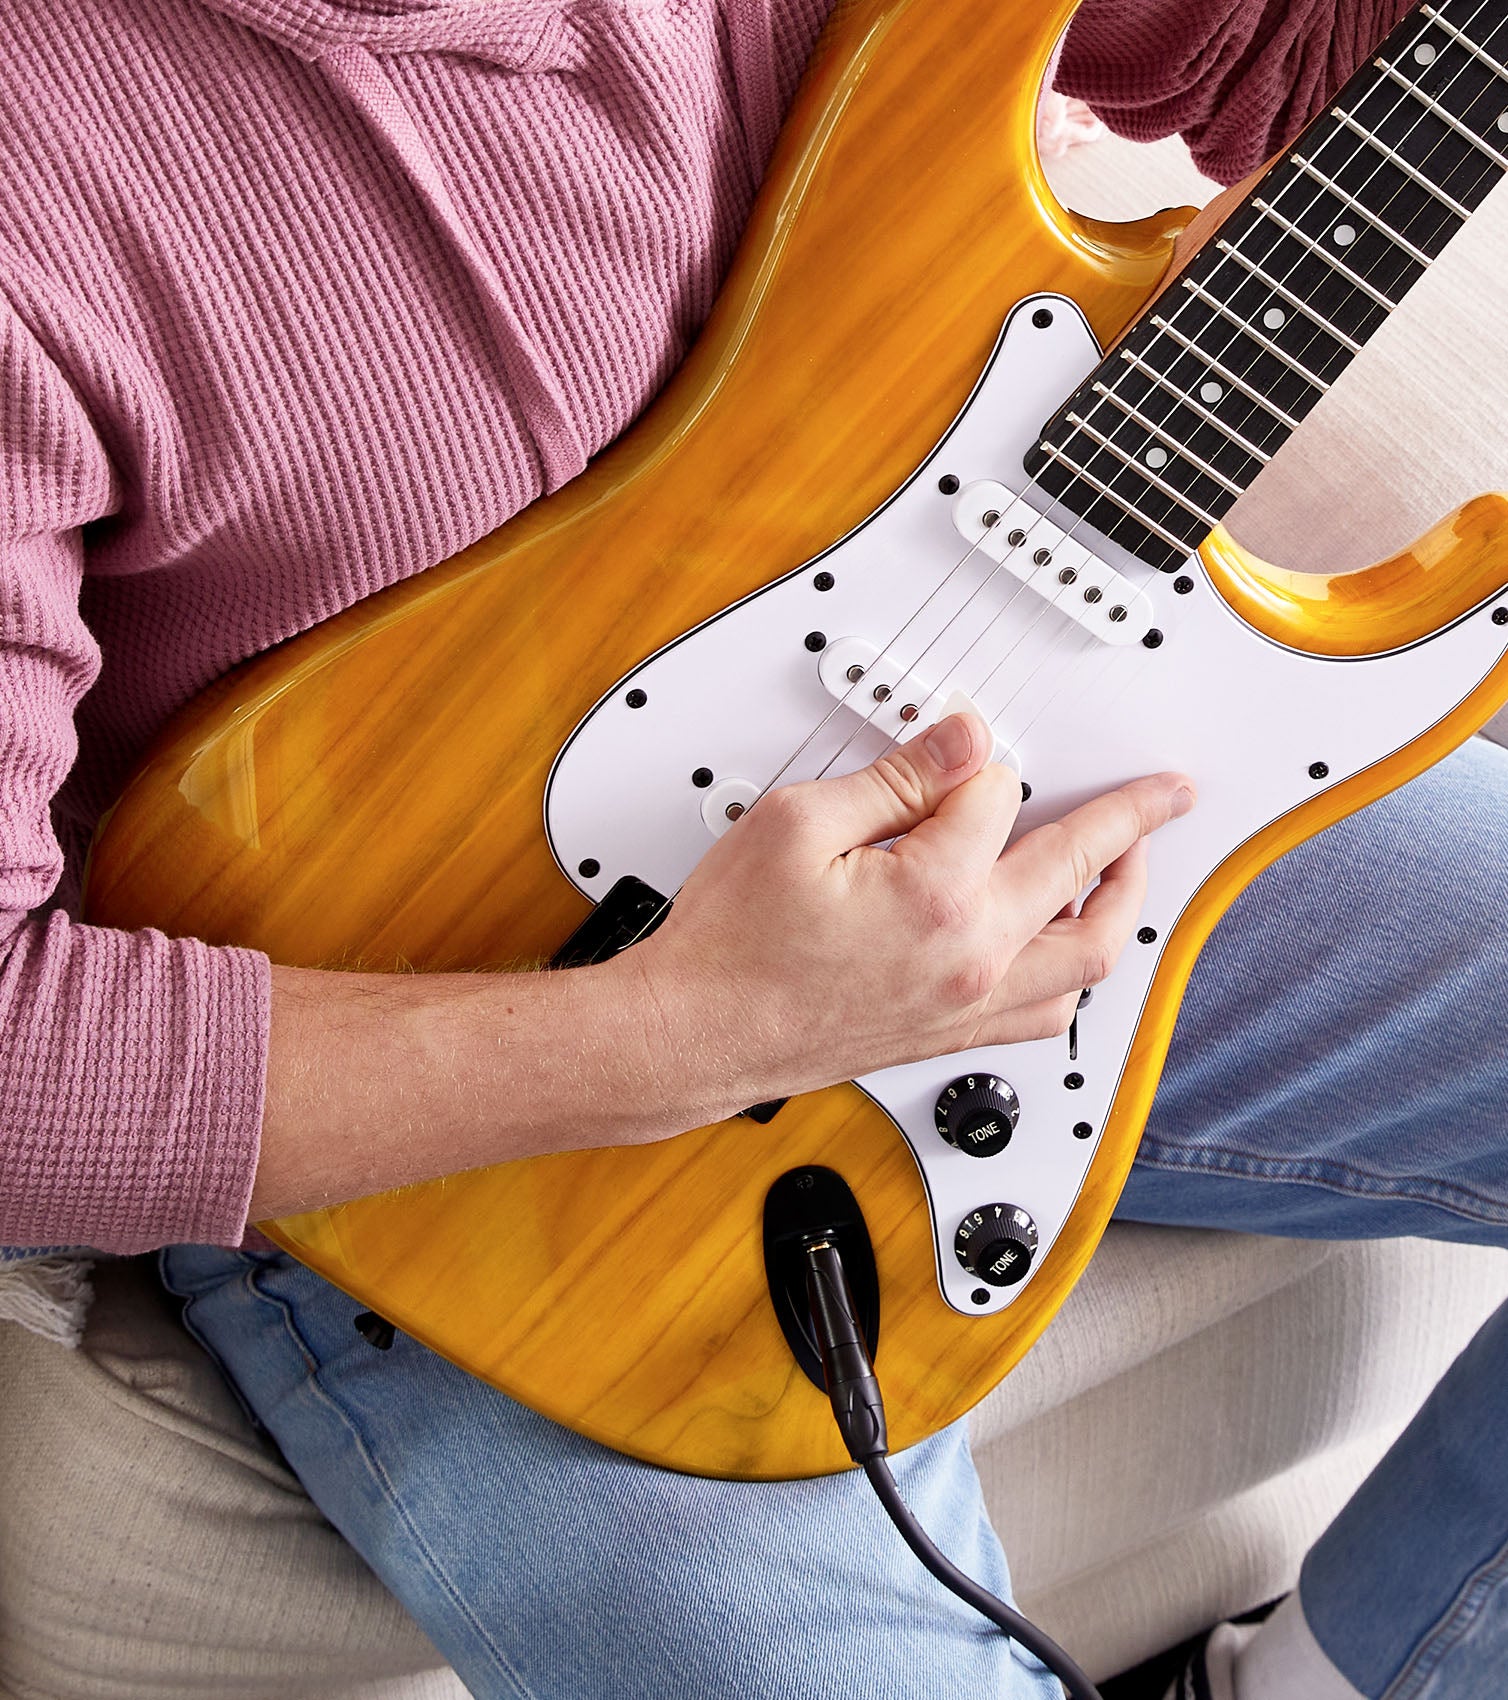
(152, 1546)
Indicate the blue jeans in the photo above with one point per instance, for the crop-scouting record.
(1340, 1070)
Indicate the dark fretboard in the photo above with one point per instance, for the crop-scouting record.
(1183, 415)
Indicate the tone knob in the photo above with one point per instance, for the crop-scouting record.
(997, 1243)
(978, 1113)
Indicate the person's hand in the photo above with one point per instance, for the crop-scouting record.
(798, 954)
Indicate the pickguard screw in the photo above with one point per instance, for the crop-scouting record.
(948, 484)
(1042, 557)
(815, 641)
(823, 581)
(734, 811)
(1026, 791)
(1183, 584)
(980, 1295)
(1146, 935)
(1015, 538)
(1152, 639)
(1082, 1130)
(1073, 1081)
(1042, 318)
(991, 518)
(636, 698)
(854, 674)
(1067, 576)
(702, 778)
(1319, 770)
(1500, 616)
(590, 868)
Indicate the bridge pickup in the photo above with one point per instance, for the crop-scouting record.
(631, 911)
(1047, 560)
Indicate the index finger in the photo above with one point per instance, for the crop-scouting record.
(1052, 865)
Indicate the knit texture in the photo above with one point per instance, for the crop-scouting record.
(1237, 78)
(298, 298)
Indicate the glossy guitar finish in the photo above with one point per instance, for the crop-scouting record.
(372, 794)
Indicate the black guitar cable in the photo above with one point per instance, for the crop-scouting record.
(860, 1412)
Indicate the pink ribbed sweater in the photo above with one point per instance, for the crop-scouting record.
(298, 297)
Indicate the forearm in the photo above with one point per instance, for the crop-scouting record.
(378, 1080)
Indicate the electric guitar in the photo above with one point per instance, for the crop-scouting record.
(863, 498)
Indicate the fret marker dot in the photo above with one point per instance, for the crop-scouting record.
(1156, 456)
(1211, 392)
(1274, 318)
(1424, 54)
(1503, 121)
(1343, 235)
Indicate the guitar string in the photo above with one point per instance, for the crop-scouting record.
(1369, 273)
(1400, 103)
(1021, 499)
(1482, 176)
(1312, 337)
(1044, 516)
(1037, 517)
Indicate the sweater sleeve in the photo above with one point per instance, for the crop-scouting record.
(1238, 79)
(132, 1065)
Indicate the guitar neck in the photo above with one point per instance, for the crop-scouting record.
(1207, 385)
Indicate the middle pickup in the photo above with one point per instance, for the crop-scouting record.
(891, 700)
(1048, 561)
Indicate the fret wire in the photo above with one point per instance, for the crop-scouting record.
(1447, 118)
(1465, 41)
(1183, 449)
(1324, 253)
(1144, 472)
(1141, 519)
(1374, 219)
(1402, 164)
(1309, 312)
(1230, 377)
(1255, 335)
(1333, 262)
(1195, 406)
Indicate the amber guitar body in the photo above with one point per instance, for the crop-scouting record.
(314, 810)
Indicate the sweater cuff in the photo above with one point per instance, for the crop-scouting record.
(215, 1161)
(131, 1088)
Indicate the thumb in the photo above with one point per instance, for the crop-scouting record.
(905, 786)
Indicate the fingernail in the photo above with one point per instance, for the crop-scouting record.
(949, 743)
(1183, 801)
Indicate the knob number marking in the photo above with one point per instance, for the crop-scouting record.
(997, 1243)
(977, 1114)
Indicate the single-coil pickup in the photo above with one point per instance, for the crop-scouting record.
(878, 689)
(1046, 559)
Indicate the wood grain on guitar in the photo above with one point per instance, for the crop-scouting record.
(371, 794)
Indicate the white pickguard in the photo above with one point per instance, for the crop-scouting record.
(1245, 716)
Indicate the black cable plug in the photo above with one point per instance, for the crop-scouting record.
(846, 1369)
(854, 1392)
